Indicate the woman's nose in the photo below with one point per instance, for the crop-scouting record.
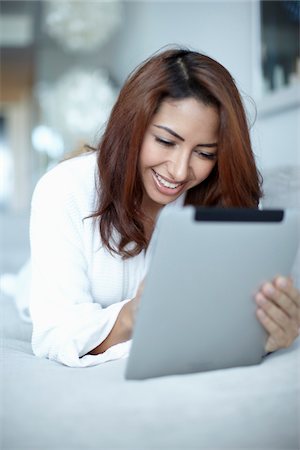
(179, 167)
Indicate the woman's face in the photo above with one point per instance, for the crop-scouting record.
(178, 152)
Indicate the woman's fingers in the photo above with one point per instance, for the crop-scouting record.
(276, 334)
(282, 299)
(279, 309)
(278, 337)
(283, 327)
(273, 311)
(286, 286)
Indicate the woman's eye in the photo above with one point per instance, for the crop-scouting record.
(206, 155)
(164, 142)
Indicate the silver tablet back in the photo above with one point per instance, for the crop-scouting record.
(197, 312)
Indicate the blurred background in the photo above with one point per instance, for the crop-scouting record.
(63, 62)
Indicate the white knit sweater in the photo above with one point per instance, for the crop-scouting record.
(77, 286)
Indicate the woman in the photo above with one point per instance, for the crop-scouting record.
(176, 135)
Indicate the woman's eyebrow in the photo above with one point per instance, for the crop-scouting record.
(170, 131)
(214, 144)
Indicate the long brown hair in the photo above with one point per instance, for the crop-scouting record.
(175, 74)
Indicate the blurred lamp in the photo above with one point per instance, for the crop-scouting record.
(82, 25)
(45, 140)
(78, 104)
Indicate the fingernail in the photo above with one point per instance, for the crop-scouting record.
(260, 299)
(269, 289)
(282, 282)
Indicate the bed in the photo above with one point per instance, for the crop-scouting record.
(49, 406)
(45, 405)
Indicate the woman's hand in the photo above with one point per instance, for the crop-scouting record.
(130, 309)
(279, 312)
(133, 305)
(123, 327)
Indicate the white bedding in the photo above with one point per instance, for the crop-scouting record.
(49, 406)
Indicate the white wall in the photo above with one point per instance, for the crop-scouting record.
(219, 28)
(278, 139)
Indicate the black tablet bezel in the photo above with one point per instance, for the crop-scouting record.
(212, 214)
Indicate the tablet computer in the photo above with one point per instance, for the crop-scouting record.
(197, 311)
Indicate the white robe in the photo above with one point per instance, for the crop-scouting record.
(77, 287)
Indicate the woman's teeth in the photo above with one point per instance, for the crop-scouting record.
(166, 183)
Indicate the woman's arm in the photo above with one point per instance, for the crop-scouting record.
(67, 321)
(279, 312)
(123, 327)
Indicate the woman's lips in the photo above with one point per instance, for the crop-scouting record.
(166, 187)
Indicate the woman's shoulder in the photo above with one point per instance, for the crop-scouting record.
(77, 167)
(75, 176)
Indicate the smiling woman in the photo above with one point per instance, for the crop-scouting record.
(177, 135)
(178, 151)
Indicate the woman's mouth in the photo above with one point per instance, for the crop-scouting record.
(166, 187)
